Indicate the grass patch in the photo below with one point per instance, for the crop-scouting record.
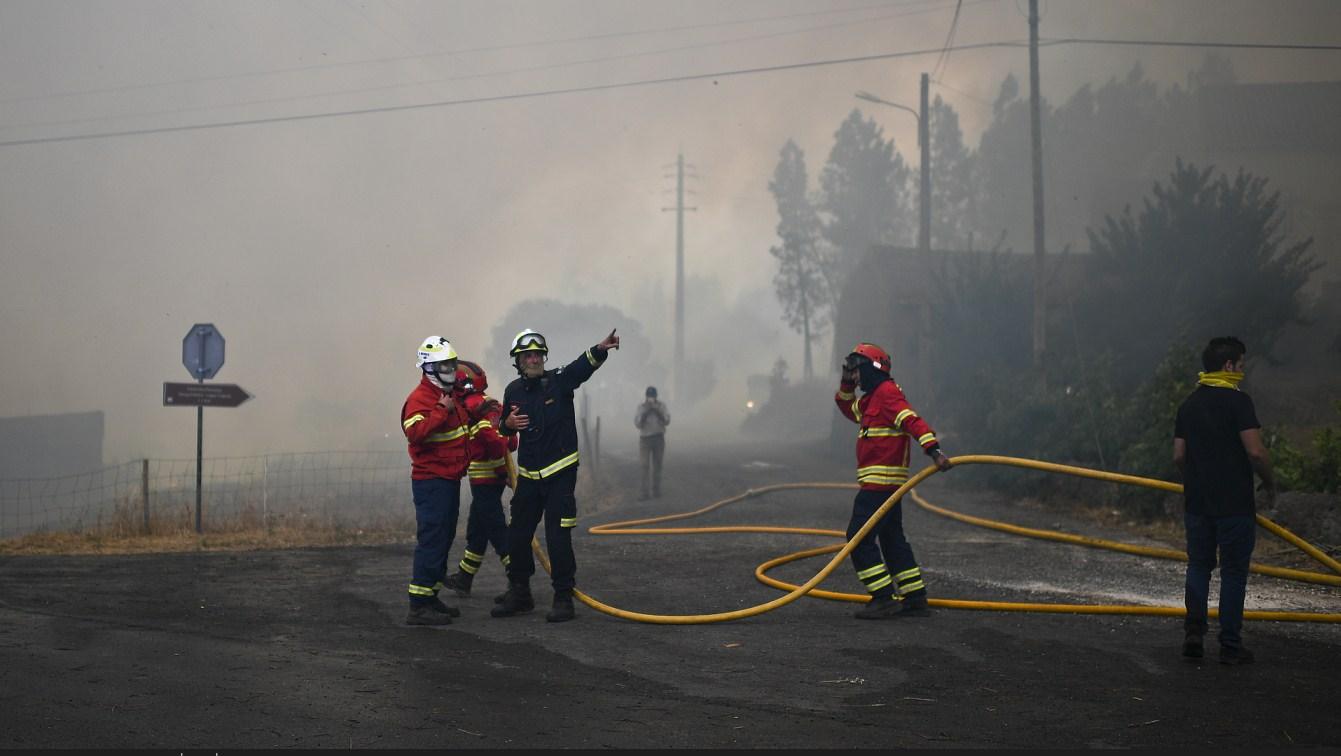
(283, 536)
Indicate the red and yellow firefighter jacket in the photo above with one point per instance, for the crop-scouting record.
(488, 448)
(439, 438)
(888, 425)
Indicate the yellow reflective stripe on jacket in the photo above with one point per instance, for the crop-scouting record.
(568, 522)
(879, 431)
(882, 474)
(856, 408)
(488, 465)
(904, 415)
(411, 421)
(477, 427)
(546, 472)
(450, 435)
(592, 359)
(926, 438)
(846, 395)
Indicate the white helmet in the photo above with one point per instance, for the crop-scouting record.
(437, 359)
(528, 341)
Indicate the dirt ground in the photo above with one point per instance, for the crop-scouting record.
(305, 648)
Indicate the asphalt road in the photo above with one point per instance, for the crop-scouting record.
(305, 648)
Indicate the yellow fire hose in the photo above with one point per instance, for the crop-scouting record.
(795, 592)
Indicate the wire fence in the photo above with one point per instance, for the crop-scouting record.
(358, 488)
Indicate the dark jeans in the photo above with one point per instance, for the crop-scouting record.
(1234, 538)
(551, 499)
(650, 451)
(900, 566)
(437, 505)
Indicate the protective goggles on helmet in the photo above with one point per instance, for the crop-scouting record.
(529, 341)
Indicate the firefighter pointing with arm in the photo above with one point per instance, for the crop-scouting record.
(538, 407)
(888, 428)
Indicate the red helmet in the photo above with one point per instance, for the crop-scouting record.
(878, 357)
(470, 377)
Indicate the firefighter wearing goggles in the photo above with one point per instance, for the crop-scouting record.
(538, 407)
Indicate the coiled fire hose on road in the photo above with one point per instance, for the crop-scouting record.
(794, 592)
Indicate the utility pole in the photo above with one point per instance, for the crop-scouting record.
(924, 238)
(924, 145)
(677, 370)
(1035, 118)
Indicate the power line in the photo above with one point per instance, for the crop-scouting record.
(630, 84)
(1174, 43)
(462, 77)
(500, 98)
(443, 53)
(949, 40)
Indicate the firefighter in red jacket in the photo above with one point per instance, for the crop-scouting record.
(488, 472)
(888, 428)
(437, 429)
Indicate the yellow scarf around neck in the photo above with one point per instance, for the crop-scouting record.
(1220, 379)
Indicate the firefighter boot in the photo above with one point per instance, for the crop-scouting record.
(423, 614)
(914, 605)
(562, 610)
(879, 607)
(516, 601)
(435, 604)
(460, 583)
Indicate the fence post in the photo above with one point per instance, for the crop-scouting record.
(144, 491)
(265, 492)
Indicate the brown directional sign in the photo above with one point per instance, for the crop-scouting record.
(203, 395)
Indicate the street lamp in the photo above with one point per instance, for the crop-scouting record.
(923, 229)
(924, 202)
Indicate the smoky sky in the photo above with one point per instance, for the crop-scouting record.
(325, 248)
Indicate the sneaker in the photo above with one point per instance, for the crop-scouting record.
(425, 615)
(1192, 647)
(1239, 655)
(436, 605)
(459, 582)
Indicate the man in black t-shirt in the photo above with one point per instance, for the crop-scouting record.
(1217, 443)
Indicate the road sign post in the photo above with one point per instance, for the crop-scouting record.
(202, 355)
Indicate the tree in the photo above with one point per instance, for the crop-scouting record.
(801, 284)
(863, 192)
(1206, 255)
(951, 179)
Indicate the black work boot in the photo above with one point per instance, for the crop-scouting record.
(914, 605)
(423, 614)
(435, 604)
(460, 583)
(879, 607)
(516, 601)
(563, 607)
(1192, 646)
